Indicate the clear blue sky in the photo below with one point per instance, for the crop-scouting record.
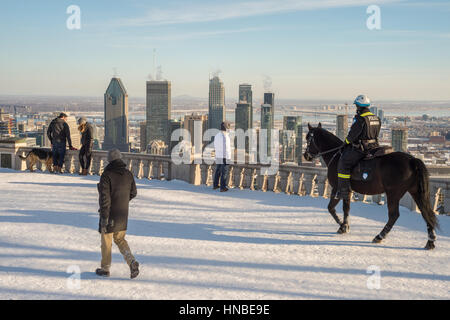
(310, 48)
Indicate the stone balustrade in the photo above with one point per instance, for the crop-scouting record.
(289, 179)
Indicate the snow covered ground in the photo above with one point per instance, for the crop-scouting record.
(196, 243)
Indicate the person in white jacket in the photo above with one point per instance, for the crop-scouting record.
(222, 146)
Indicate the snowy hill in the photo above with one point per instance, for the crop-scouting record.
(196, 243)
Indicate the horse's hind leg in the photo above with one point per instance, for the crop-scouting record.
(331, 209)
(431, 234)
(345, 226)
(394, 213)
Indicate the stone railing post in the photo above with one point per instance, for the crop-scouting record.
(140, 173)
(68, 162)
(323, 186)
(230, 176)
(301, 185)
(150, 170)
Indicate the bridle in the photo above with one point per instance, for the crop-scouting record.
(319, 154)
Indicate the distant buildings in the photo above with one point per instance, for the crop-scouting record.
(116, 117)
(216, 104)
(246, 95)
(174, 124)
(267, 123)
(158, 111)
(74, 132)
(143, 136)
(8, 125)
(193, 121)
(243, 121)
(341, 126)
(269, 98)
(400, 139)
(294, 124)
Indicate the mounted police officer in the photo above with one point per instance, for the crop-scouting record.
(362, 137)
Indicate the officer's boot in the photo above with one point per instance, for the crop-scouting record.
(343, 188)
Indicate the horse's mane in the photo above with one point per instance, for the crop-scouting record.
(330, 136)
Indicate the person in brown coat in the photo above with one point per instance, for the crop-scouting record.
(116, 189)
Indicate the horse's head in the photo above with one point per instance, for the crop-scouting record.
(312, 150)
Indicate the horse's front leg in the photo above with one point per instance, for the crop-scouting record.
(331, 209)
(345, 226)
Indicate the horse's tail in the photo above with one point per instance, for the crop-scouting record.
(423, 192)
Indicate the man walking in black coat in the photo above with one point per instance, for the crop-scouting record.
(116, 188)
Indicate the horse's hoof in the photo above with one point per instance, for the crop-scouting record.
(345, 228)
(377, 239)
(430, 245)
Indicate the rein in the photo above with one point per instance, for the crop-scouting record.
(324, 152)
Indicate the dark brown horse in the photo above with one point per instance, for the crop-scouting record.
(394, 174)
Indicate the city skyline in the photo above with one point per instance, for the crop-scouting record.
(318, 49)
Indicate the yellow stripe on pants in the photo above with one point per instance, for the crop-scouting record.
(344, 176)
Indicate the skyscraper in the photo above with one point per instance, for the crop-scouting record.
(341, 126)
(267, 123)
(74, 133)
(158, 110)
(174, 124)
(246, 95)
(116, 117)
(216, 110)
(243, 116)
(143, 136)
(269, 98)
(294, 123)
(400, 139)
(190, 123)
(243, 120)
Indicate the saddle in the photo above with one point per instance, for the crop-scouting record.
(363, 171)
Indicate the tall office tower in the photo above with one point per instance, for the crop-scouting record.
(341, 126)
(374, 110)
(196, 120)
(143, 136)
(269, 98)
(116, 117)
(287, 144)
(159, 105)
(174, 124)
(381, 115)
(400, 139)
(75, 135)
(294, 123)
(246, 95)
(243, 116)
(267, 123)
(243, 120)
(216, 108)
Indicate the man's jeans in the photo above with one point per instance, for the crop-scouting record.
(59, 152)
(221, 174)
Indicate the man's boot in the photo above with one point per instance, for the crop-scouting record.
(134, 269)
(101, 272)
(343, 187)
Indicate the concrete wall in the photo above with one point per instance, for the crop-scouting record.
(290, 179)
